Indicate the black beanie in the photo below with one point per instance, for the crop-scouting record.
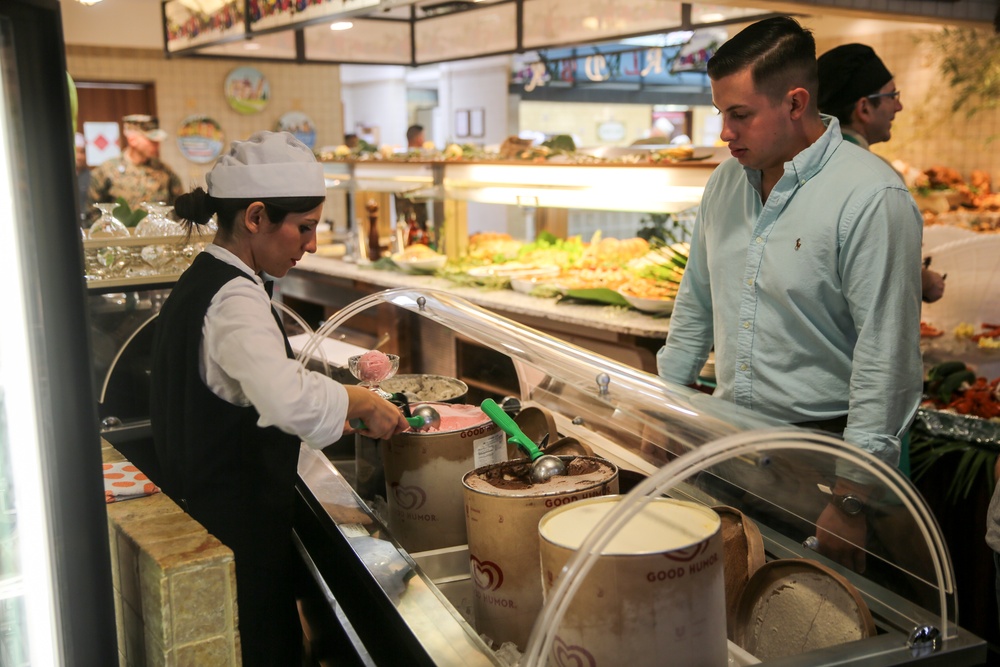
(847, 73)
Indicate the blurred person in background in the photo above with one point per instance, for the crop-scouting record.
(82, 179)
(137, 175)
(415, 137)
(857, 88)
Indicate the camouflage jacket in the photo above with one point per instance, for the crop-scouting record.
(136, 183)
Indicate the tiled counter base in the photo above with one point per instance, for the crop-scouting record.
(175, 586)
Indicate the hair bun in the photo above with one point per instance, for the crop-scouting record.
(195, 206)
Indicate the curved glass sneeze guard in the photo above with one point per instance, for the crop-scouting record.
(704, 449)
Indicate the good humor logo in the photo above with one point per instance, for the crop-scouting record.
(571, 655)
(408, 497)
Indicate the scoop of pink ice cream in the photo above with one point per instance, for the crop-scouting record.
(374, 366)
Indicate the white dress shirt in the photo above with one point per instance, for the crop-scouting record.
(243, 362)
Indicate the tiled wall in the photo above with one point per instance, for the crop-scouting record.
(175, 586)
(926, 132)
(186, 86)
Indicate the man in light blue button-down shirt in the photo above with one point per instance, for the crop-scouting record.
(805, 263)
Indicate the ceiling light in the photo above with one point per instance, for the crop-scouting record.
(591, 23)
(88, 2)
(341, 25)
(251, 46)
(712, 17)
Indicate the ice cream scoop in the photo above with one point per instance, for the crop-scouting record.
(423, 417)
(543, 466)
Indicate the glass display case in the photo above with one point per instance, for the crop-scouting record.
(665, 440)
(523, 197)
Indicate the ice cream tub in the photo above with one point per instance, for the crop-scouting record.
(502, 510)
(656, 591)
(423, 475)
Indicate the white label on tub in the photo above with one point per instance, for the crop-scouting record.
(491, 449)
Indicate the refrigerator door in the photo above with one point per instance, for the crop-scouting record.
(56, 604)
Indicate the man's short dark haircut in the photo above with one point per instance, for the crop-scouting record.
(780, 53)
(413, 131)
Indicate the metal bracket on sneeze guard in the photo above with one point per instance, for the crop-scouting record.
(421, 302)
(924, 640)
(603, 382)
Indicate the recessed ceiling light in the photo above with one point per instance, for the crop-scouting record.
(341, 25)
(251, 46)
(591, 23)
(712, 18)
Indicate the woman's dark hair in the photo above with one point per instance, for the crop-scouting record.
(780, 53)
(198, 207)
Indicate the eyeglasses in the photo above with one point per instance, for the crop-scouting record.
(894, 95)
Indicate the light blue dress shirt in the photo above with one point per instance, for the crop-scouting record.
(811, 298)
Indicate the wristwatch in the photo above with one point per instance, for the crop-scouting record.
(849, 504)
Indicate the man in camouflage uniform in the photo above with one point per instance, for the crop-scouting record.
(137, 174)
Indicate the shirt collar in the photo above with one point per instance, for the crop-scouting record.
(810, 160)
(228, 257)
(855, 138)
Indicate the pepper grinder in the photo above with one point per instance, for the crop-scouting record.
(374, 250)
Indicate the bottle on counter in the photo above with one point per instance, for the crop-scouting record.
(417, 234)
(400, 235)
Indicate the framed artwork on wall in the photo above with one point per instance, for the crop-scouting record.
(477, 122)
(462, 123)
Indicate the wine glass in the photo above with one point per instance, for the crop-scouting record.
(372, 368)
(107, 226)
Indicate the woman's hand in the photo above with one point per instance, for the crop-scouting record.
(382, 419)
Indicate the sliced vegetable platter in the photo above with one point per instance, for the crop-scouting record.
(631, 272)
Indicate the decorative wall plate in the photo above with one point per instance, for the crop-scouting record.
(300, 125)
(200, 138)
(247, 90)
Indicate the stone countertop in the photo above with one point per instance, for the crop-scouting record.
(593, 316)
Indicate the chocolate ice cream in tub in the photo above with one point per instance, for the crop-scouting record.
(502, 510)
(423, 475)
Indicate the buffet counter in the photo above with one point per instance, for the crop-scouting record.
(320, 286)
(418, 606)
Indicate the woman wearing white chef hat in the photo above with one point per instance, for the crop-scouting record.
(229, 403)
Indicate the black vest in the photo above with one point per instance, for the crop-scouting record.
(235, 478)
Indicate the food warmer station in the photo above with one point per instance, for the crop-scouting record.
(786, 604)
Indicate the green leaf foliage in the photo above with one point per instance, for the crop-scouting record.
(130, 217)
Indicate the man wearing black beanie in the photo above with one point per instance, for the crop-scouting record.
(856, 87)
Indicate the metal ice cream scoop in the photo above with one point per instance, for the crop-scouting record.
(543, 466)
(422, 417)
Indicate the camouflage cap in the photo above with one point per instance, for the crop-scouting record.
(148, 125)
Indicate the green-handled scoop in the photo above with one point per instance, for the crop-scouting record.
(543, 466)
(423, 416)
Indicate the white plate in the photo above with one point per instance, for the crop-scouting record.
(420, 265)
(513, 269)
(650, 305)
(526, 285)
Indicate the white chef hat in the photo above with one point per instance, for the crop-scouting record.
(268, 164)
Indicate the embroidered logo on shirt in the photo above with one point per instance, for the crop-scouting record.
(798, 243)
